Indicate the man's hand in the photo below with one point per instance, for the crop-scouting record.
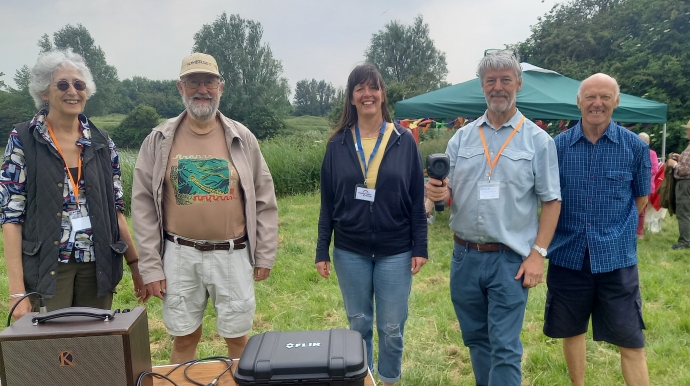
(261, 273)
(417, 263)
(156, 288)
(323, 268)
(437, 190)
(531, 270)
(22, 309)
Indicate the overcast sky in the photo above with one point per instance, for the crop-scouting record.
(319, 39)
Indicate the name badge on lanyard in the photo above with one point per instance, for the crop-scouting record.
(79, 223)
(489, 190)
(361, 190)
(364, 193)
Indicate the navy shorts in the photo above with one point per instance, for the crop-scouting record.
(611, 298)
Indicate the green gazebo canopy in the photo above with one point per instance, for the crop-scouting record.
(545, 94)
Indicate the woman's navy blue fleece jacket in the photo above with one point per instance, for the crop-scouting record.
(395, 222)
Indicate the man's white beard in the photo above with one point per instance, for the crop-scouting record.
(499, 108)
(199, 111)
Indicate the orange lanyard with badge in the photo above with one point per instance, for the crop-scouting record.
(78, 220)
(490, 190)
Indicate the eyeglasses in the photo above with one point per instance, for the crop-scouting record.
(194, 84)
(492, 51)
(63, 85)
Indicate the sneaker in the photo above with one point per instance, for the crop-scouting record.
(676, 246)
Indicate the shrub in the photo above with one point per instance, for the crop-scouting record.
(295, 161)
(135, 127)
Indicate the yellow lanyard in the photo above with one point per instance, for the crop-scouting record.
(75, 185)
(493, 163)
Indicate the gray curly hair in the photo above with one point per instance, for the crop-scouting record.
(47, 63)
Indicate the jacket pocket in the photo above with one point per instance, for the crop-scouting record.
(30, 248)
(30, 263)
(119, 247)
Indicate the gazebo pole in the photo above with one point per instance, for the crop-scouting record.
(663, 145)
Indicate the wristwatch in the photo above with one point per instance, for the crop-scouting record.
(542, 251)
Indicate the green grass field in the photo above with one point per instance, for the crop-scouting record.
(295, 297)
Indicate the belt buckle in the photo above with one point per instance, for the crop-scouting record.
(202, 245)
(479, 249)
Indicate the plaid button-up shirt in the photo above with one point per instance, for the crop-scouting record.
(599, 184)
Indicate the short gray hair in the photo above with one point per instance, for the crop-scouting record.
(499, 60)
(617, 91)
(47, 63)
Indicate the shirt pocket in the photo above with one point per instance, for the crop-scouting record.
(618, 183)
(515, 167)
(470, 163)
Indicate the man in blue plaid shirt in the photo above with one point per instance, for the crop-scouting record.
(605, 172)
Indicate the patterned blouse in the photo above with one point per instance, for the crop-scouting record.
(13, 190)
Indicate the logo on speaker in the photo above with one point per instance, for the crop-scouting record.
(66, 358)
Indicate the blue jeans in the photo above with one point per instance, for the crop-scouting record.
(386, 280)
(490, 306)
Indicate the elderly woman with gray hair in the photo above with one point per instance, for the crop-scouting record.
(61, 205)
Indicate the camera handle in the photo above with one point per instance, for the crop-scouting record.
(438, 167)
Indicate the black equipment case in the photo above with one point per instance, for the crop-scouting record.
(327, 358)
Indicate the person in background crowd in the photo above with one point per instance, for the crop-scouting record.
(61, 201)
(605, 174)
(655, 166)
(372, 199)
(502, 165)
(205, 215)
(681, 172)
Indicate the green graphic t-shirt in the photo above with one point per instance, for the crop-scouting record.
(202, 196)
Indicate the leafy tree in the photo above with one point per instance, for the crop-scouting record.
(313, 98)
(408, 60)
(135, 127)
(253, 81)
(16, 105)
(644, 44)
(105, 76)
(162, 95)
(338, 104)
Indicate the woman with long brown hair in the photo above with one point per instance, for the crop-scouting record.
(372, 200)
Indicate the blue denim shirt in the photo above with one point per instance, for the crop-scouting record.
(527, 170)
(599, 183)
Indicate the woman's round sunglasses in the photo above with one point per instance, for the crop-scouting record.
(63, 85)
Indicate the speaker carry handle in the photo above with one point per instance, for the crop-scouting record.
(90, 312)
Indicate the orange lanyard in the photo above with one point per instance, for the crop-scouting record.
(493, 163)
(75, 185)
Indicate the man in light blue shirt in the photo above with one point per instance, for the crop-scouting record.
(501, 166)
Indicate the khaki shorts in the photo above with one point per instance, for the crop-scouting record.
(193, 276)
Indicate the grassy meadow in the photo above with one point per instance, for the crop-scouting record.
(295, 297)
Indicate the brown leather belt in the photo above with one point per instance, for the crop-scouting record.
(490, 247)
(206, 246)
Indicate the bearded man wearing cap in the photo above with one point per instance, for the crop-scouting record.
(205, 215)
(681, 172)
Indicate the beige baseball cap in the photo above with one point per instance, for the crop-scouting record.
(686, 126)
(199, 63)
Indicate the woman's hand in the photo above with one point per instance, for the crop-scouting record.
(417, 263)
(22, 309)
(138, 281)
(323, 268)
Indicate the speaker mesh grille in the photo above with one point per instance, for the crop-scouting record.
(95, 360)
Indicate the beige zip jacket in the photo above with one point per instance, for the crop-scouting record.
(260, 207)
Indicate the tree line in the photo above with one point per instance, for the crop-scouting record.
(258, 95)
